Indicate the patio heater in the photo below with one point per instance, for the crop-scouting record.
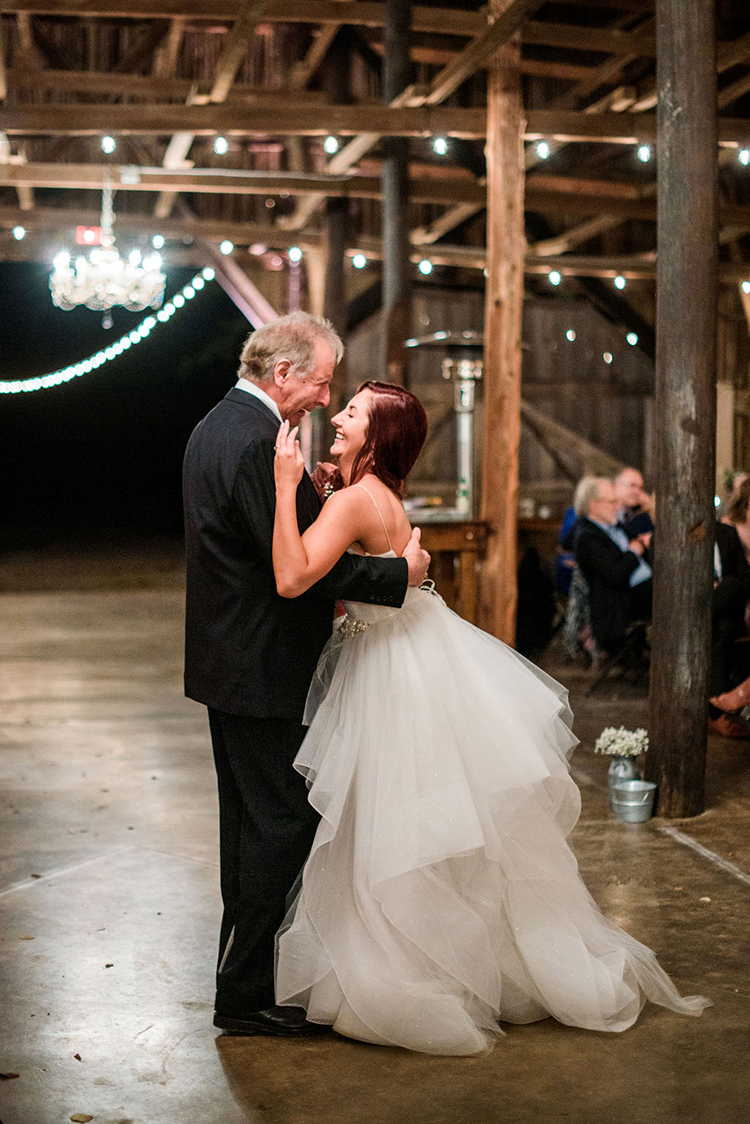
(462, 365)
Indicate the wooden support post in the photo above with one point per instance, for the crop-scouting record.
(506, 245)
(685, 402)
(395, 175)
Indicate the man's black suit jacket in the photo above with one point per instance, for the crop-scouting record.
(607, 570)
(248, 651)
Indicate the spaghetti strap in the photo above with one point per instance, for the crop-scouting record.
(382, 520)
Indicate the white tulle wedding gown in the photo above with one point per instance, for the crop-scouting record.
(440, 896)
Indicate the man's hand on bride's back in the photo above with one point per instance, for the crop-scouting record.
(288, 464)
(417, 558)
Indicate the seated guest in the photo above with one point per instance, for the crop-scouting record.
(619, 579)
(731, 594)
(737, 513)
(565, 561)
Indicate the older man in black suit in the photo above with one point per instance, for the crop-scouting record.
(618, 577)
(250, 655)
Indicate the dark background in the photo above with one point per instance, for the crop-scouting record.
(99, 458)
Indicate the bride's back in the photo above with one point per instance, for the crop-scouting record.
(388, 527)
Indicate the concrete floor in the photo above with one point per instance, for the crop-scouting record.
(109, 910)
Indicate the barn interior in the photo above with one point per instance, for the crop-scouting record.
(415, 174)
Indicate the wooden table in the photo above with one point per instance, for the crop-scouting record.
(455, 548)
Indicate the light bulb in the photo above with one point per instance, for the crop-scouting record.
(295, 254)
(226, 246)
(425, 267)
(331, 145)
(632, 338)
(554, 277)
(19, 232)
(543, 150)
(644, 153)
(440, 145)
(620, 282)
(109, 144)
(221, 146)
(157, 241)
(359, 261)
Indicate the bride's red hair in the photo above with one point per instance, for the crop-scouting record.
(396, 429)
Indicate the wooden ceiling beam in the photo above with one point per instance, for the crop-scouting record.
(290, 118)
(285, 118)
(215, 182)
(443, 84)
(358, 13)
(476, 53)
(149, 87)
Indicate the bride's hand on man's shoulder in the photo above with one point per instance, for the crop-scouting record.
(288, 464)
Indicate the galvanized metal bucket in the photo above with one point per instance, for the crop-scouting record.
(632, 801)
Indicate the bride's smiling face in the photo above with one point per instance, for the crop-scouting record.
(351, 428)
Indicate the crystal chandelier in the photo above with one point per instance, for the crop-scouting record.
(104, 279)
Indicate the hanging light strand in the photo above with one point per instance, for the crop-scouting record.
(144, 329)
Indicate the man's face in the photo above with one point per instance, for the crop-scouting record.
(298, 397)
(604, 507)
(630, 489)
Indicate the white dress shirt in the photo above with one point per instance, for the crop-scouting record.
(253, 388)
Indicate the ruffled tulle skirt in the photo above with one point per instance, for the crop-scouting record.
(440, 896)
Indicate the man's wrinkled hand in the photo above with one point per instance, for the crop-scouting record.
(326, 478)
(417, 558)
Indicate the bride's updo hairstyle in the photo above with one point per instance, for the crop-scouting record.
(396, 429)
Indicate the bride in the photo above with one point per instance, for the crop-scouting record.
(440, 897)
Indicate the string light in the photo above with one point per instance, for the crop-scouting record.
(543, 150)
(359, 261)
(226, 246)
(425, 267)
(109, 144)
(331, 145)
(554, 277)
(19, 232)
(644, 153)
(144, 329)
(570, 335)
(746, 286)
(607, 357)
(620, 282)
(632, 338)
(744, 156)
(295, 254)
(221, 146)
(157, 241)
(440, 146)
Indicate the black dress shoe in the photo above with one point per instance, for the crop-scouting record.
(282, 1022)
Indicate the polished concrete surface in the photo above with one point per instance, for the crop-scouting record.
(109, 910)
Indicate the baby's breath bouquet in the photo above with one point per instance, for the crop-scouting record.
(616, 741)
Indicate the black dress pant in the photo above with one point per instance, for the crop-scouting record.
(266, 831)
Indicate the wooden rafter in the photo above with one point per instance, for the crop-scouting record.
(442, 86)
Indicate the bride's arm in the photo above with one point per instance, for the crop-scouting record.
(299, 561)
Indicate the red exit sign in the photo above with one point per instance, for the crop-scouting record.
(88, 235)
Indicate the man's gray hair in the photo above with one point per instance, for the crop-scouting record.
(587, 490)
(291, 337)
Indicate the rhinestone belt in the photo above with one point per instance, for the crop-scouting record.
(352, 627)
